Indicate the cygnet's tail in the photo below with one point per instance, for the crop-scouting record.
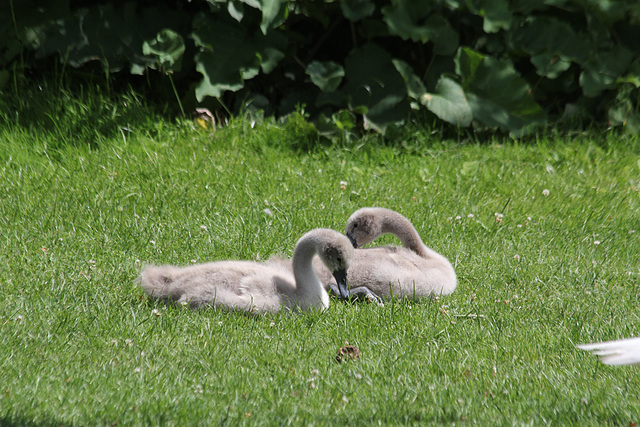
(157, 281)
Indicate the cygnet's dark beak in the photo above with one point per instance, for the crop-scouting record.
(341, 280)
(352, 240)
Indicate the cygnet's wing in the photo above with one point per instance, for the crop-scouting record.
(396, 270)
(388, 270)
(618, 352)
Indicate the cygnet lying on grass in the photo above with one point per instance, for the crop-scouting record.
(413, 271)
(257, 287)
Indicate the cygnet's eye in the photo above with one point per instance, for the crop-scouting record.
(355, 225)
(339, 260)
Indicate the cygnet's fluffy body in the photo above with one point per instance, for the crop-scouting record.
(256, 287)
(413, 271)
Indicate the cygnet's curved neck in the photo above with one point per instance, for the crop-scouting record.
(401, 227)
(309, 291)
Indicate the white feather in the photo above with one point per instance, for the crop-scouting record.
(618, 352)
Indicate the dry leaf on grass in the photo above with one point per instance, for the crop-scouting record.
(348, 352)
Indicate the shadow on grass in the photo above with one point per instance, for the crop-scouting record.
(78, 113)
(9, 420)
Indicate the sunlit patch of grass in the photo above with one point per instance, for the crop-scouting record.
(544, 237)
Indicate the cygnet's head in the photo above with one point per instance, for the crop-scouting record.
(337, 256)
(365, 226)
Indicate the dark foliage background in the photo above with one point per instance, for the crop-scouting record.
(518, 66)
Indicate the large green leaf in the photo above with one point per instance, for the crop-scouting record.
(390, 118)
(415, 87)
(552, 44)
(111, 33)
(374, 86)
(548, 34)
(216, 4)
(449, 103)
(326, 75)
(236, 10)
(339, 125)
(497, 94)
(633, 74)
(89, 36)
(344, 120)
(404, 19)
(415, 20)
(270, 49)
(274, 13)
(168, 48)
(495, 13)
(444, 37)
(468, 61)
(624, 110)
(23, 24)
(355, 10)
(602, 71)
(526, 7)
(550, 65)
(611, 11)
(227, 55)
(256, 4)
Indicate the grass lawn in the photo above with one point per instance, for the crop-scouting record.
(544, 236)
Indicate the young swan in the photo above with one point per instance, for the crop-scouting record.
(414, 270)
(619, 352)
(257, 287)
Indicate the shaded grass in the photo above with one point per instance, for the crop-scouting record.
(83, 346)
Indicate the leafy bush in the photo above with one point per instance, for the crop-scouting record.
(514, 65)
